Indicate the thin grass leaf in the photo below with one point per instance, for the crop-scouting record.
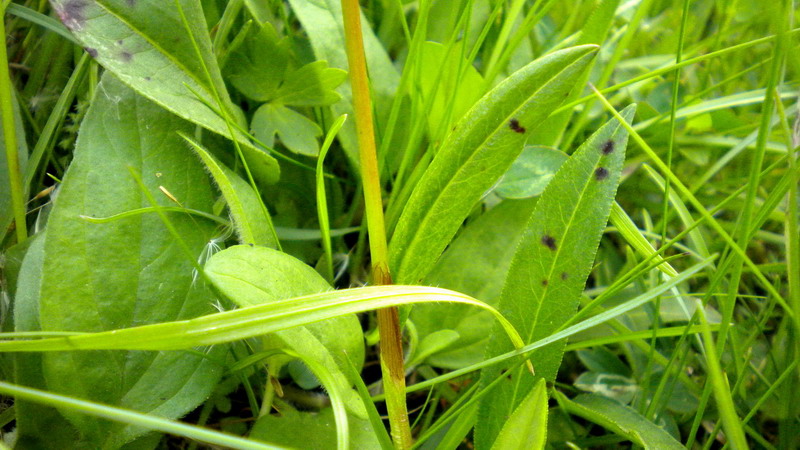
(254, 321)
(132, 418)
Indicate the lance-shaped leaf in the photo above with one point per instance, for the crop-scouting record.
(475, 154)
(150, 47)
(128, 272)
(476, 264)
(551, 265)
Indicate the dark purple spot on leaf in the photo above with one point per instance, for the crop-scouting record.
(131, 3)
(514, 125)
(126, 56)
(608, 147)
(549, 242)
(92, 52)
(545, 282)
(71, 14)
(147, 78)
(601, 173)
(119, 42)
(564, 275)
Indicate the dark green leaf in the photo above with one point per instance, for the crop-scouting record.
(128, 272)
(147, 45)
(621, 420)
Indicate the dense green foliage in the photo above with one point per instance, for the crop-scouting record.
(608, 188)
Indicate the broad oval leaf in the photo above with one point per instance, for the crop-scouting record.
(126, 272)
(147, 44)
(258, 275)
(552, 263)
(475, 154)
(38, 426)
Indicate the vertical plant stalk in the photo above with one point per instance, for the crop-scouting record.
(10, 136)
(391, 352)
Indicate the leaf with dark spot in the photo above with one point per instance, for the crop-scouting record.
(562, 237)
(470, 161)
(91, 51)
(600, 174)
(549, 242)
(514, 125)
(188, 77)
(71, 14)
(608, 147)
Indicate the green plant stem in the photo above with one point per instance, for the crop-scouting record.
(17, 190)
(391, 354)
(721, 388)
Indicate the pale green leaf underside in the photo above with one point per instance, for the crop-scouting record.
(475, 154)
(257, 275)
